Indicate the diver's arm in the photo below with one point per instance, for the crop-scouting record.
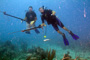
(43, 24)
(53, 13)
(25, 18)
(32, 22)
(42, 18)
(35, 19)
(35, 16)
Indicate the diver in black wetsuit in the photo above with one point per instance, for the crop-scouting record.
(51, 18)
(30, 19)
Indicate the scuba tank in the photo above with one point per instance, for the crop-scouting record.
(45, 8)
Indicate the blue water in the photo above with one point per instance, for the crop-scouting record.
(70, 12)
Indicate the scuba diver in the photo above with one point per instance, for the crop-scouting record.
(30, 20)
(50, 17)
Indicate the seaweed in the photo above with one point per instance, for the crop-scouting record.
(51, 55)
(41, 54)
(28, 58)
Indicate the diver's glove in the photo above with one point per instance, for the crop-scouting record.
(32, 22)
(43, 24)
(21, 21)
(53, 13)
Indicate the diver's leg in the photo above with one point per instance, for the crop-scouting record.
(61, 25)
(33, 25)
(64, 37)
(74, 36)
(70, 32)
(36, 30)
(66, 29)
(27, 27)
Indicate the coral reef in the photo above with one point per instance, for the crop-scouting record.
(7, 51)
(41, 54)
(24, 46)
(51, 55)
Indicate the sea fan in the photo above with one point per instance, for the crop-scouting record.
(28, 58)
(51, 55)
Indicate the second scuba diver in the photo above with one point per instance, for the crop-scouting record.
(50, 17)
(30, 20)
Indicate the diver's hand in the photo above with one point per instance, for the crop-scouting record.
(24, 20)
(21, 21)
(43, 24)
(52, 14)
(32, 22)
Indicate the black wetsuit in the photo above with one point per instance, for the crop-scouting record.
(51, 19)
(30, 16)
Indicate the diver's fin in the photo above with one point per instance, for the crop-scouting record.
(37, 31)
(65, 40)
(74, 36)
